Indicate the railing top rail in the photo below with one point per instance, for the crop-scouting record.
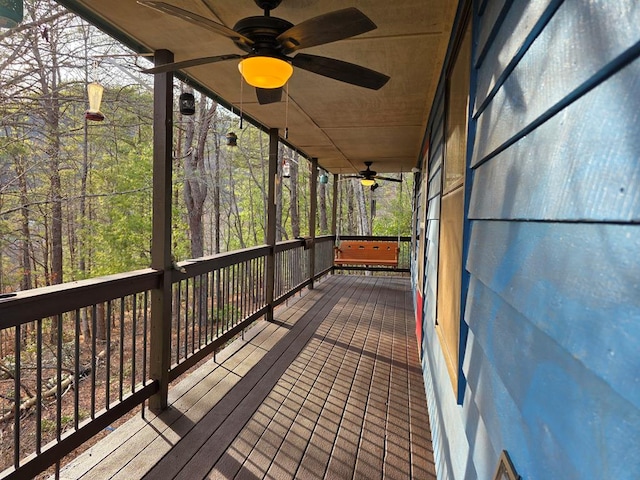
(37, 303)
(198, 266)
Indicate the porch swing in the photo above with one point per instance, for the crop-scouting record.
(366, 253)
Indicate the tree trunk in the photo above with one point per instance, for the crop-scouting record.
(101, 323)
(195, 184)
(25, 243)
(322, 208)
(216, 202)
(47, 75)
(279, 194)
(350, 193)
(82, 265)
(361, 205)
(235, 211)
(294, 207)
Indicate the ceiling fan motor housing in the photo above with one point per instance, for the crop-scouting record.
(263, 31)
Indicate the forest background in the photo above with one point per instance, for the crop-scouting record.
(76, 195)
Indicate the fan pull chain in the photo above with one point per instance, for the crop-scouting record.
(286, 114)
(241, 98)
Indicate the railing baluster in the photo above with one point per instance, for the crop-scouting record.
(236, 310)
(177, 314)
(186, 318)
(193, 316)
(94, 323)
(76, 372)
(17, 353)
(59, 380)
(108, 320)
(225, 300)
(144, 346)
(205, 314)
(121, 370)
(134, 315)
(145, 318)
(39, 387)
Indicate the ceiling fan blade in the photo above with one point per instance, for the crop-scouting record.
(342, 71)
(388, 179)
(198, 20)
(172, 67)
(268, 95)
(326, 28)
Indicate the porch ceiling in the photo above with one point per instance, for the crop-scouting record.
(340, 124)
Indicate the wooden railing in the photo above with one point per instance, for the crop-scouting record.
(78, 354)
(76, 357)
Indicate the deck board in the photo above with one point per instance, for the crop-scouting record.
(331, 389)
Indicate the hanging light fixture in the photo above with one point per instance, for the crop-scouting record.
(187, 103)
(286, 170)
(11, 12)
(367, 182)
(94, 90)
(232, 139)
(265, 72)
(324, 178)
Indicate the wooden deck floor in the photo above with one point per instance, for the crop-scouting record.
(332, 390)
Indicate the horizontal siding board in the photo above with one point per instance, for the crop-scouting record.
(582, 164)
(577, 283)
(554, 67)
(550, 405)
(485, 458)
(491, 21)
(489, 396)
(437, 115)
(518, 29)
(435, 184)
(433, 213)
(437, 139)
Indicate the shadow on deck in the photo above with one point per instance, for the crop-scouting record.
(332, 389)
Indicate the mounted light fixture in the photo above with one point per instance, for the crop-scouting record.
(286, 169)
(187, 103)
(11, 12)
(94, 91)
(324, 178)
(368, 182)
(265, 72)
(232, 139)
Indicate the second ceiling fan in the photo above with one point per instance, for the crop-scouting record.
(269, 40)
(368, 177)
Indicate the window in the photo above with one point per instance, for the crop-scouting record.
(452, 205)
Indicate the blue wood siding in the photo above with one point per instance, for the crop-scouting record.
(552, 355)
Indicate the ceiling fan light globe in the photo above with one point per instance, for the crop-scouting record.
(367, 182)
(265, 72)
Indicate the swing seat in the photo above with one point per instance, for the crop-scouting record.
(355, 252)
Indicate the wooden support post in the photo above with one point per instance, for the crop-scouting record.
(334, 218)
(271, 219)
(160, 346)
(313, 192)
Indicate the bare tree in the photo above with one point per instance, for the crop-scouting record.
(195, 184)
(294, 207)
(322, 207)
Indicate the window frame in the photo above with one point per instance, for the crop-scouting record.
(450, 283)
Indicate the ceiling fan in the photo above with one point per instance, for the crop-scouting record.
(368, 177)
(268, 40)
